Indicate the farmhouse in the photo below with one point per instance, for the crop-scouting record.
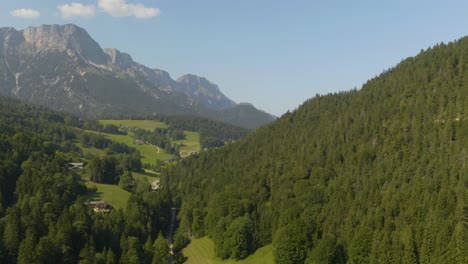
(155, 185)
(168, 160)
(139, 142)
(75, 166)
(100, 206)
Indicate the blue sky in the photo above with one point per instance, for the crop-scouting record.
(274, 54)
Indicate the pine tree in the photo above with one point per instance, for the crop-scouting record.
(26, 248)
(238, 237)
(87, 254)
(127, 182)
(110, 257)
(11, 235)
(131, 251)
(161, 250)
(148, 250)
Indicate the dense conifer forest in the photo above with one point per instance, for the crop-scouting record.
(376, 175)
(43, 216)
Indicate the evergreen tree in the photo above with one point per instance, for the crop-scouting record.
(12, 234)
(161, 250)
(110, 257)
(238, 237)
(26, 248)
(131, 251)
(148, 250)
(290, 244)
(127, 182)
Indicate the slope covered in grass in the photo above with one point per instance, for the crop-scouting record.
(201, 251)
(112, 194)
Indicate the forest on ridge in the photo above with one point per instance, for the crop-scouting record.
(376, 175)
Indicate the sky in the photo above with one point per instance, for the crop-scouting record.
(274, 54)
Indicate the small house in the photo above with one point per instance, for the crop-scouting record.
(166, 160)
(139, 142)
(155, 185)
(75, 165)
(100, 206)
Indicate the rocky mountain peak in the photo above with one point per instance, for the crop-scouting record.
(197, 80)
(204, 90)
(163, 78)
(119, 58)
(63, 37)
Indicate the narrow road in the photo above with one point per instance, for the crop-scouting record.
(171, 233)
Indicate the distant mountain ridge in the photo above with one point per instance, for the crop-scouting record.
(63, 67)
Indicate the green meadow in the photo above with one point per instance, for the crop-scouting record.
(112, 194)
(143, 124)
(148, 175)
(150, 153)
(201, 251)
(115, 195)
(191, 143)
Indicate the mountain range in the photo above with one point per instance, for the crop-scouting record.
(64, 68)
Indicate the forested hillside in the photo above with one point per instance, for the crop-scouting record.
(376, 175)
(43, 215)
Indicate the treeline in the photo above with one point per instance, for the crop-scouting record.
(101, 142)
(43, 217)
(378, 175)
(208, 129)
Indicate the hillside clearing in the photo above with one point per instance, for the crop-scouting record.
(146, 174)
(151, 153)
(143, 124)
(112, 194)
(201, 251)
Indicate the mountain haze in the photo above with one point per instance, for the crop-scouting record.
(62, 67)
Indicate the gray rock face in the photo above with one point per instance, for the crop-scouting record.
(62, 67)
(205, 91)
(55, 37)
(116, 57)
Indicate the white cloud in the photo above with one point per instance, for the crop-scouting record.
(120, 8)
(77, 10)
(26, 13)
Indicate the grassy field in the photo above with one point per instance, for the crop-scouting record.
(112, 194)
(191, 143)
(149, 153)
(201, 251)
(91, 151)
(147, 175)
(143, 124)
